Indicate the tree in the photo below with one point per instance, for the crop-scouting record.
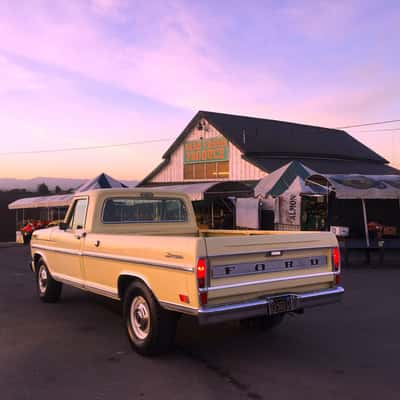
(43, 189)
(58, 189)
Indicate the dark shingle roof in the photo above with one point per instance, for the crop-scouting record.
(278, 138)
(326, 166)
(267, 142)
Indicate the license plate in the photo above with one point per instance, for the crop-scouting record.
(279, 305)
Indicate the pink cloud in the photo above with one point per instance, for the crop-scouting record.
(15, 78)
(181, 69)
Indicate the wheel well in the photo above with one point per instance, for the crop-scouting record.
(124, 281)
(36, 259)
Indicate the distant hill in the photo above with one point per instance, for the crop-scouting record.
(32, 184)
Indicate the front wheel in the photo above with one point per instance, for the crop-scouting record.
(150, 329)
(49, 289)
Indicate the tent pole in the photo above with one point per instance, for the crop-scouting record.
(16, 218)
(212, 214)
(23, 217)
(365, 222)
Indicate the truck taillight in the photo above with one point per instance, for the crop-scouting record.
(201, 272)
(336, 263)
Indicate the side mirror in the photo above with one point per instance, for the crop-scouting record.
(63, 226)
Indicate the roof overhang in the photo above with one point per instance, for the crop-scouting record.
(41, 202)
(208, 190)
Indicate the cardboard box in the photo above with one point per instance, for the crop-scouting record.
(389, 231)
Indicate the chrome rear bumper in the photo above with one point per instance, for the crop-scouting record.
(259, 307)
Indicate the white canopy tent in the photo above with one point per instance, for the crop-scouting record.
(362, 187)
(41, 201)
(101, 181)
(279, 181)
(355, 186)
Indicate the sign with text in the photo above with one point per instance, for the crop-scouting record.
(206, 150)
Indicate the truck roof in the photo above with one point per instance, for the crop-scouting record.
(131, 192)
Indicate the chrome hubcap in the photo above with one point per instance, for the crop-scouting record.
(42, 275)
(140, 317)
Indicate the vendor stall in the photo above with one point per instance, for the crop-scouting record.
(214, 202)
(33, 213)
(368, 205)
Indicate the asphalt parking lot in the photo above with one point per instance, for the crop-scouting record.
(77, 349)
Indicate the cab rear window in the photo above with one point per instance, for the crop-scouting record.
(131, 210)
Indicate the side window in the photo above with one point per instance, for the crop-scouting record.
(78, 216)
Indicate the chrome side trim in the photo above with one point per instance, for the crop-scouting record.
(78, 283)
(260, 307)
(283, 251)
(92, 287)
(57, 249)
(270, 280)
(149, 262)
(178, 308)
(102, 290)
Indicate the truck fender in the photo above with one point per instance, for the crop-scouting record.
(126, 277)
(37, 255)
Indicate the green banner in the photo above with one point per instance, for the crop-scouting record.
(206, 150)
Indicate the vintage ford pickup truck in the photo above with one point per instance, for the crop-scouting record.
(144, 248)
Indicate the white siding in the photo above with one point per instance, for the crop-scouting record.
(239, 169)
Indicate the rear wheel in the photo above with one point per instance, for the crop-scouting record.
(150, 328)
(49, 290)
(263, 323)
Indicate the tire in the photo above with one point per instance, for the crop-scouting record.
(49, 290)
(264, 323)
(150, 328)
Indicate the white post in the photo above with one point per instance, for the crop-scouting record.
(365, 222)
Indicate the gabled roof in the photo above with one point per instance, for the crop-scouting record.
(264, 140)
(278, 138)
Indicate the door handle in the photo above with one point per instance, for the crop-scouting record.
(97, 243)
(80, 235)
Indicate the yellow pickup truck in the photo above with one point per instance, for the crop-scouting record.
(145, 249)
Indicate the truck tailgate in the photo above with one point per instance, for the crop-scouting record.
(251, 265)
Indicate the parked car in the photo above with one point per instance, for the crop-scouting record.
(145, 249)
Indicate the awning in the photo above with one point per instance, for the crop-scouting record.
(42, 201)
(280, 180)
(199, 191)
(354, 186)
(102, 181)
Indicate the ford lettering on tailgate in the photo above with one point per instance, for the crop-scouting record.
(224, 271)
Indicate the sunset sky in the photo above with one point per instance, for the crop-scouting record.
(83, 73)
